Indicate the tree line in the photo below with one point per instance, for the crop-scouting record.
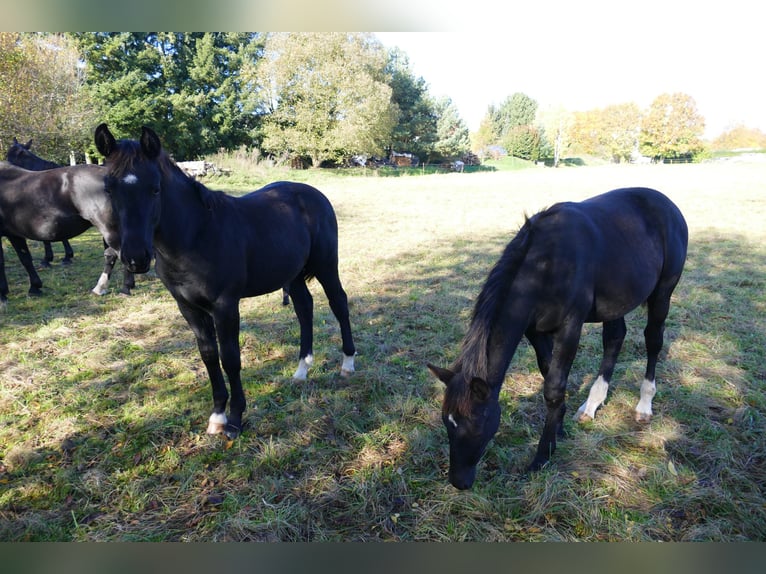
(313, 98)
(323, 98)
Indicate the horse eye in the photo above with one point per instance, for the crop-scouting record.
(156, 190)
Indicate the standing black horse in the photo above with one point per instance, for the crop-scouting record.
(592, 261)
(21, 155)
(51, 205)
(213, 249)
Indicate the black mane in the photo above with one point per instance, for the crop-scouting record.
(473, 359)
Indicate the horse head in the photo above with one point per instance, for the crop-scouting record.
(471, 415)
(133, 182)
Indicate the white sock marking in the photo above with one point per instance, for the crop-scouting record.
(302, 372)
(102, 285)
(644, 406)
(596, 398)
(348, 365)
(216, 423)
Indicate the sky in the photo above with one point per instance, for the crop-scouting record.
(581, 57)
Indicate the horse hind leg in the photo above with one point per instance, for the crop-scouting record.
(612, 337)
(338, 300)
(68, 253)
(303, 304)
(48, 257)
(658, 307)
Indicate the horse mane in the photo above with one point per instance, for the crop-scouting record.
(474, 359)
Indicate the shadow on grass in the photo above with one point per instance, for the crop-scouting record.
(366, 458)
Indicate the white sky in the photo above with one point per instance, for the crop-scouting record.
(588, 54)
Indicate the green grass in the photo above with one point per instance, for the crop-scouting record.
(104, 401)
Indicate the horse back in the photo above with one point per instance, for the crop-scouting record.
(602, 257)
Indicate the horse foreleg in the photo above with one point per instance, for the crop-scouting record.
(3, 278)
(227, 329)
(612, 337)
(565, 343)
(110, 258)
(303, 304)
(22, 250)
(128, 281)
(203, 327)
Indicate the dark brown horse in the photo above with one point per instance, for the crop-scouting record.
(592, 261)
(21, 155)
(51, 205)
(213, 249)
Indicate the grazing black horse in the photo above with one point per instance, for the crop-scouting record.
(51, 205)
(592, 261)
(21, 155)
(213, 249)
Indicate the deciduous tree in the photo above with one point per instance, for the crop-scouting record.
(41, 94)
(672, 128)
(327, 96)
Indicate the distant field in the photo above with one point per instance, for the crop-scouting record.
(104, 401)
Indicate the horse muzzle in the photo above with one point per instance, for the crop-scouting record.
(462, 478)
(137, 263)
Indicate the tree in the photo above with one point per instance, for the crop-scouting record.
(672, 128)
(740, 137)
(415, 129)
(610, 133)
(188, 86)
(42, 96)
(452, 135)
(514, 125)
(326, 96)
(556, 123)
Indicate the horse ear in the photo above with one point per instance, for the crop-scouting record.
(150, 143)
(105, 142)
(28, 145)
(444, 375)
(480, 389)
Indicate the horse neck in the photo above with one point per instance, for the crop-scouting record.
(90, 200)
(183, 214)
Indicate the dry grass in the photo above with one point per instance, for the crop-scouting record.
(103, 401)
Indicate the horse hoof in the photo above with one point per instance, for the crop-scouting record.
(583, 418)
(643, 418)
(35, 293)
(66, 261)
(215, 428)
(345, 373)
(232, 431)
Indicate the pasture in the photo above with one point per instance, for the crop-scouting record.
(104, 401)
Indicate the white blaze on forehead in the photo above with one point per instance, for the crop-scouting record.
(452, 420)
(130, 179)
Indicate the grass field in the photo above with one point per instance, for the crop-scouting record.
(104, 401)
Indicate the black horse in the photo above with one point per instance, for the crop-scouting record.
(51, 205)
(213, 249)
(592, 261)
(21, 155)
